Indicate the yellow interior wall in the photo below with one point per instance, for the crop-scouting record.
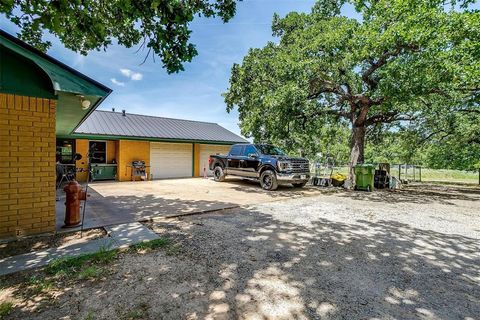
(111, 151)
(128, 151)
(196, 162)
(81, 147)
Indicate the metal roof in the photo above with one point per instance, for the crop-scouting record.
(109, 123)
(63, 77)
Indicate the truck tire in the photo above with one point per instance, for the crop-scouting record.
(218, 174)
(299, 185)
(268, 180)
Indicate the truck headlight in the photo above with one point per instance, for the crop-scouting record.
(284, 166)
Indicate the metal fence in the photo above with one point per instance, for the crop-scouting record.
(408, 172)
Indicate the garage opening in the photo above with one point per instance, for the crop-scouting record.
(170, 160)
(205, 151)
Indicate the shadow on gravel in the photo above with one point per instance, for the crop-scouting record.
(280, 270)
(418, 193)
(284, 190)
(247, 264)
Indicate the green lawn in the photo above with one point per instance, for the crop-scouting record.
(444, 175)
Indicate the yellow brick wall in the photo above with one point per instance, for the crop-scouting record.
(27, 165)
(128, 151)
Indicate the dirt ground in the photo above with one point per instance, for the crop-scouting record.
(408, 254)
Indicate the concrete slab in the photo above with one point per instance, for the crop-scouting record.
(130, 233)
(112, 203)
(119, 236)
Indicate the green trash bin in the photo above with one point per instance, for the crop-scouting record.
(364, 176)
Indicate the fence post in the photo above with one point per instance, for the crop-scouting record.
(420, 173)
(414, 174)
(399, 172)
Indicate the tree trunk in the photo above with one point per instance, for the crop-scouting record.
(356, 148)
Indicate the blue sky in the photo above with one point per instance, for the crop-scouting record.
(194, 93)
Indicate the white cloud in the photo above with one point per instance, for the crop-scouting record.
(132, 75)
(118, 83)
(126, 72)
(137, 76)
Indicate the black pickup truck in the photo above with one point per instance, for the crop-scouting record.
(263, 162)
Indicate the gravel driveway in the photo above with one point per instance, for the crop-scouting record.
(346, 255)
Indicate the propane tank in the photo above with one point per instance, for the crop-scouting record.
(74, 194)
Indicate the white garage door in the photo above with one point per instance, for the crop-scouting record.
(170, 160)
(205, 151)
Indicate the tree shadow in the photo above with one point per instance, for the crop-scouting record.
(283, 191)
(417, 193)
(368, 269)
(254, 264)
(109, 210)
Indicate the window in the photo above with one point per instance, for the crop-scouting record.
(249, 150)
(236, 150)
(65, 151)
(268, 149)
(97, 151)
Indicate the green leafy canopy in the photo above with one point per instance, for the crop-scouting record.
(400, 63)
(161, 26)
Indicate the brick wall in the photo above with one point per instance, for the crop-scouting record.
(27, 165)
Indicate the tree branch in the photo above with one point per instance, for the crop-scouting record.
(381, 61)
(388, 117)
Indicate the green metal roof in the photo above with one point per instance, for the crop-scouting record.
(64, 78)
(27, 71)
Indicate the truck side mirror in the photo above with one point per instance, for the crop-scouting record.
(253, 155)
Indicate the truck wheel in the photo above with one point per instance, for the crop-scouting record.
(218, 174)
(299, 185)
(268, 180)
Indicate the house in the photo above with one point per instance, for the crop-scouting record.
(40, 98)
(171, 148)
(47, 115)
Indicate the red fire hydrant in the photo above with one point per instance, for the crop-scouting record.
(75, 194)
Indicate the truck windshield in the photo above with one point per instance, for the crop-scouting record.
(268, 149)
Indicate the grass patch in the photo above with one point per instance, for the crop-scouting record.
(135, 314)
(90, 316)
(39, 284)
(5, 309)
(90, 272)
(139, 312)
(150, 245)
(84, 266)
(174, 250)
(449, 175)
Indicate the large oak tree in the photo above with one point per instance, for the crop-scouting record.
(160, 26)
(399, 61)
